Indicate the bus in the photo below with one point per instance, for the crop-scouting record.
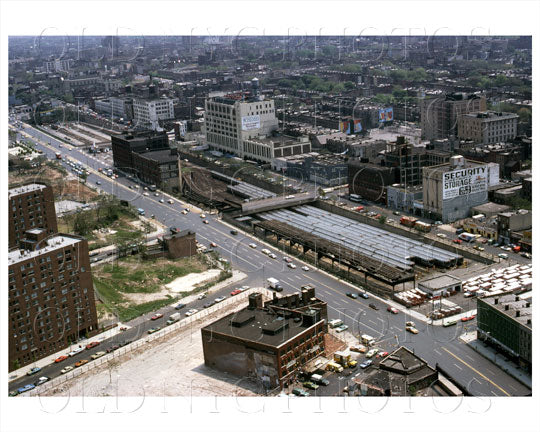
(355, 198)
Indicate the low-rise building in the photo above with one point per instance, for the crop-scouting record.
(401, 197)
(440, 285)
(489, 209)
(488, 127)
(505, 322)
(510, 222)
(268, 342)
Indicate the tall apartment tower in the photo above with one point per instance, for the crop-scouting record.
(439, 115)
(30, 206)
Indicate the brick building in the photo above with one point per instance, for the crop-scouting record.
(30, 206)
(51, 296)
(269, 343)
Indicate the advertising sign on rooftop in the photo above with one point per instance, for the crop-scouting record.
(386, 115)
(464, 181)
(251, 122)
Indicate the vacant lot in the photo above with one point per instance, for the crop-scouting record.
(132, 286)
(172, 365)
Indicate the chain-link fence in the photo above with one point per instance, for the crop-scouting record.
(188, 321)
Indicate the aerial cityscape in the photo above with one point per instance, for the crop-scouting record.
(269, 217)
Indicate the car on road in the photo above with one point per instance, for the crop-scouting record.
(33, 371)
(156, 316)
(437, 223)
(235, 292)
(352, 295)
(359, 349)
(202, 216)
(41, 380)
(310, 385)
(287, 259)
(364, 295)
(300, 392)
(146, 194)
(180, 306)
(61, 358)
(98, 355)
(411, 329)
(191, 312)
(184, 212)
(252, 245)
(342, 328)
(207, 305)
(156, 194)
(162, 201)
(503, 256)
(153, 330)
(81, 363)
(98, 182)
(305, 268)
(468, 318)
(205, 222)
(382, 354)
(170, 201)
(66, 369)
(506, 248)
(26, 388)
(75, 351)
(92, 345)
(372, 352)
(219, 299)
(410, 323)
(373, 306)
(234, 232)
(272, 255)
(366, 364)
(201, 296)
(214, 245)
(392, 310)
(291, 265)
(480, 248)
(526, 255)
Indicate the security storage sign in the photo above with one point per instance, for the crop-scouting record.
(251, 122)
(464, 181)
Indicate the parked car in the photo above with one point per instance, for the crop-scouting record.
(291, 265)
(392, 309)
(287, 259)
(41, 380)
(201, 296)
(234, 232)
(252, 245)
(300, 392)
(373, 306)
(60, 359)
(372, 352)
(92, 345)
(76, 351)
(272, 255)
(352, 295)
(66, 369)
(191, 312)
(411, 329)
(81, 363)
(359, 349)
(97, 355)
(207, 305)
(214, 245)
(441, 235)
(156, 316)
(503, 256)
(342, 328)
(468, 318)
(364, 295)
(219, 299)
(235, 292)
(366, 364)
(468, 294)
(170, 201)
(205, 222)
(310, 385)
(33, 371)
(26, 388)
(153, 330)
(180, 306)
(305, 268)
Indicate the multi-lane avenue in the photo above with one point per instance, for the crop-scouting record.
(433, 343)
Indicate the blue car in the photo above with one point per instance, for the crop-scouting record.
(26, 388)
(364, 295)
(33, 371)
(366, 364)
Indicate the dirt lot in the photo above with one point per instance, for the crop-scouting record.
(172, 365)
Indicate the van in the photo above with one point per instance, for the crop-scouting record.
(367, 340)
(318, 379)
(335, 323)
(334, 367)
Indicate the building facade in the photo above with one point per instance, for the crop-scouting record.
(51, 296)
(439, 115)
(148, 113)
(505, 322)
(488, 127)
(158, 167)
(30, 206)
(268, 343)
(450, 190)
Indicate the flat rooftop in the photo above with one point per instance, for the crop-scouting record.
(491, 115)
(439, 282)
(491, 207)
(53, 243)
(32, 187)
(162, 156)
(516, 303)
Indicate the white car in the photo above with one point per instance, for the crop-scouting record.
(291, 265)
(170, 201)
(42, 380)
(201, 296)
(219, 299)
(272, 255)
(305, 268)
(252, 245)
(66, 369)
(203, 215)
(372, 352)
(161, 200)
(265, 251)
(191, 312)
(156, 194)
(289, 197)
(98, 355)
(146, 194)
(76, 351)
(441, 235)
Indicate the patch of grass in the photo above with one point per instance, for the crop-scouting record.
(133, 311)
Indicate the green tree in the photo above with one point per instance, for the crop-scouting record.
(382, 219)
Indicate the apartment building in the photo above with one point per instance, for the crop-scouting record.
(30, 206)
(488, 127)
(148, 113)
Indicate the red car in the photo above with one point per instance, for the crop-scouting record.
(92, 345)
(383, 354)
(214, 245)
(236, 291)
(61, 358)
(156, 316)
(458, 241)
(392, 309)
(469, 318)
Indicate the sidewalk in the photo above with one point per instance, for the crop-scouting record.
(495, 357)
(45, 361)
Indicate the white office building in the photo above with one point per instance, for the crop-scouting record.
(148, 113)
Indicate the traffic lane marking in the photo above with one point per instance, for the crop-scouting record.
(479, 373)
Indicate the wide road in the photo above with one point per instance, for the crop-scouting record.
(434, 344)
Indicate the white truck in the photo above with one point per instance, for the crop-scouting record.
(173, 318)
(274, 284)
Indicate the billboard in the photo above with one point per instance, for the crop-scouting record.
(345, 127)
(386, 115)
(251, 122)
(357, 126)
(464, 181)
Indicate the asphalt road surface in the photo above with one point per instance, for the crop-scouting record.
(434, 344)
